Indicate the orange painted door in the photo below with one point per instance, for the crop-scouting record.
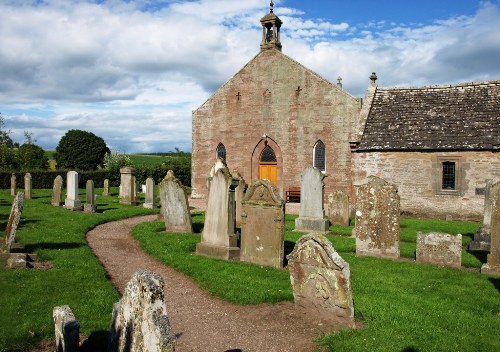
(269, 172)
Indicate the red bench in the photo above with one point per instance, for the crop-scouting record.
(293, 194)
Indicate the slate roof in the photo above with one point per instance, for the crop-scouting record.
(453, 117)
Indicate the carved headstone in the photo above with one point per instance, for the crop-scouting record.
(219, 164)
(218, 238)
(67, 329)
(128, 187)
(57, 191)
(239, 193)
(263, 225)
(312, 213)
(439, 248)
(338, 208)
(13, 222)
(13, 185)
(105, 190)
(321, 280)
(493, 264)
(90, 206)
(377, 219)
(140, 319)
(27, 186)
(174, 205)
(149, 201)
(72, 201)
(482, 237)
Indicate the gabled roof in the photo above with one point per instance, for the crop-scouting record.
(453, 117)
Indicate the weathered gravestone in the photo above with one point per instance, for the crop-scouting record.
(338, 208)
(90, 206)
(67, 330)
(218, 238)
(105, 189)
(28, 186)
(72, 201)
(312, 213)
(439, 248)
(239, 193)
(377, 219)
(13, 185)
(482, 238)
(57, 191)
(174, 205)
(128, 187)
(263, 225)
(493, 264)
(149, 200)
(140, 319)
(321, 280)
(219, 164)
(13, 222)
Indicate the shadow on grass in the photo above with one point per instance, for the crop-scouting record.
(410, 349)
(197, 227)
(49, 245)
(96, 342)
(288, 248)
(103, 209)
(480, 255)
(495, 282)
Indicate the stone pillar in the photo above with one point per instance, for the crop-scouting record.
(13, 185)
(127, 185)
(312, 214)
(27, 186)
(67, 330)
(57, 191)
(149, 201)
(493, 264)
(90, 206)
(72, 201)
(105, 190)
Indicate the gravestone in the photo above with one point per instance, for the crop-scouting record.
(493, 264)
(218, 238)
(263, 225)
(57, 191)
(27, 186)
(321, 280)
(72, 201)
(12, 223)
(312, 214)
(377, 219)
(90, 206)
(149, 200)
(239, 193)
(105, 190)
(338, 208)
(439, 248)
(128, 187)
(67, 330)
(482, 237)
(13, 185)
(219, 164)
(174, 205)
(140, 319)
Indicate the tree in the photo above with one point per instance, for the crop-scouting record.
(32, 157)
(8, 157)
(80, 150)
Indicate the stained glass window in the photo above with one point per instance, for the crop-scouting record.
(320, 156)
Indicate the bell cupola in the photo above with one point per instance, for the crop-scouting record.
(271, 25)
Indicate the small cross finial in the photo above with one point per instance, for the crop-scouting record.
(373, 77)
(339, 81)
(238, 96)
(298, 90)
(272, 7)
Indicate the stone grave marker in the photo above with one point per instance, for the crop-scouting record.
(219, 164)
(312, 214)
(482, 237)
(239, 193)
(13, 222)
(439, 248)
(90, 206)
(57, 191)
(338, 208)
(13, 185)
(149, 200)
(174, 205)
(321, 280)
(67, 330)
(140, 319)
(128, 187)
(105, 190)
(263, 225)
(377, 219)
(218, 238)
(72, 201)
(493, 264)
(28, 186)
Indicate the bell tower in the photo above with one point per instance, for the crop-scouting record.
(271, 25)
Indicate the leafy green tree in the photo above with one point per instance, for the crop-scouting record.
(32, 157)
(8, 155)
(80, 150)
(113, 162)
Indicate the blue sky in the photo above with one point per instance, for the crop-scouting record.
(133, 71)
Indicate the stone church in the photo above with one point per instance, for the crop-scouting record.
(439, 145)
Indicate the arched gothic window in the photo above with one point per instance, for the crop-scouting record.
(319, 156)
(221, 151)
(267, 155)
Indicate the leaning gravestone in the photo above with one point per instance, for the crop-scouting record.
(127, 183)
(67, 330)
(90, 206)
(482, 238)
(218, 238)
(174, 205)
(149, 201)
(377, 219)
(140, 319)
(439, 248)
(338, 208)
(321, 280)
(239, 193)
(72, 201)
(312, 213)
(105, 190)
(13, 185)
(493, 264)
(57, 191)
(27, 186)
(263, 225)
(13, 222)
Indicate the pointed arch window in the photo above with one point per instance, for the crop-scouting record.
(267, 155)
(221, 151)
(319, 156)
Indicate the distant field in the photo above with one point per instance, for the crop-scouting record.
(148, 160)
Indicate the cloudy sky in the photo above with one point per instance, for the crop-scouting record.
(132, 71)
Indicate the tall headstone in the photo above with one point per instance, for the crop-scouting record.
(57, 191)
(338, 208)
(13, 222)
(312, 214)
(13, 185)
(140, 319)
(377, 219)
(321, 280)
(149, 201)
(239, 193)
(90, 206)
(263, 225)
(219, 164)
(174, 205)
(127, 185)
(439, 248)
(218, 238)
(72, 201)
(493, 264)
(28, 186)
(67, 330)
(482, 237)
(105, 190)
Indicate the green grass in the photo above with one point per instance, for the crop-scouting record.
(149, 160)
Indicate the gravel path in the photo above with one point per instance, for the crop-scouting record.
(202, 322)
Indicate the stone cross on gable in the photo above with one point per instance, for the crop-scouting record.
(298, 90)
(238, 96)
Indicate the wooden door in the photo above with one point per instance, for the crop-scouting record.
(269, 171)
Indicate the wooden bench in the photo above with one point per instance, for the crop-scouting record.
(293, 194)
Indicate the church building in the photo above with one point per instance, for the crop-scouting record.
(275, 117)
